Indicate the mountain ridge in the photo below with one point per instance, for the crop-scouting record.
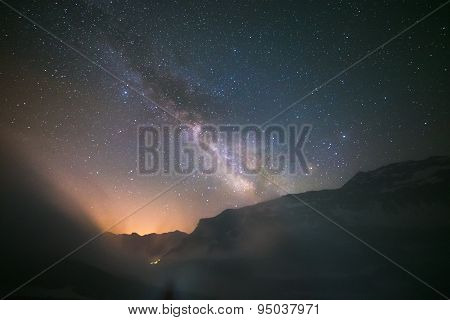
(281, 248)
(346, 186)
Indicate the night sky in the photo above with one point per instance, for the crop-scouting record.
(217, 62)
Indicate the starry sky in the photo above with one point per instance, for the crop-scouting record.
(223, 62)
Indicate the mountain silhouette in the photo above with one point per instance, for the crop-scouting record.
(285, 249)
(150, 246)
(38, 226)
(361, 241)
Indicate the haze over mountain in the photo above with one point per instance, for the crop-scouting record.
(150, 246)
(277, 249)
(284, 249)
(40, 225)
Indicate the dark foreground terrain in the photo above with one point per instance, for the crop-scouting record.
(331, 244)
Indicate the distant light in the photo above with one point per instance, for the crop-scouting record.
(155, 261)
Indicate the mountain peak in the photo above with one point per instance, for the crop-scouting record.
(402, 174)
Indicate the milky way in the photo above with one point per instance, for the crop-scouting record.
(220, 62)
